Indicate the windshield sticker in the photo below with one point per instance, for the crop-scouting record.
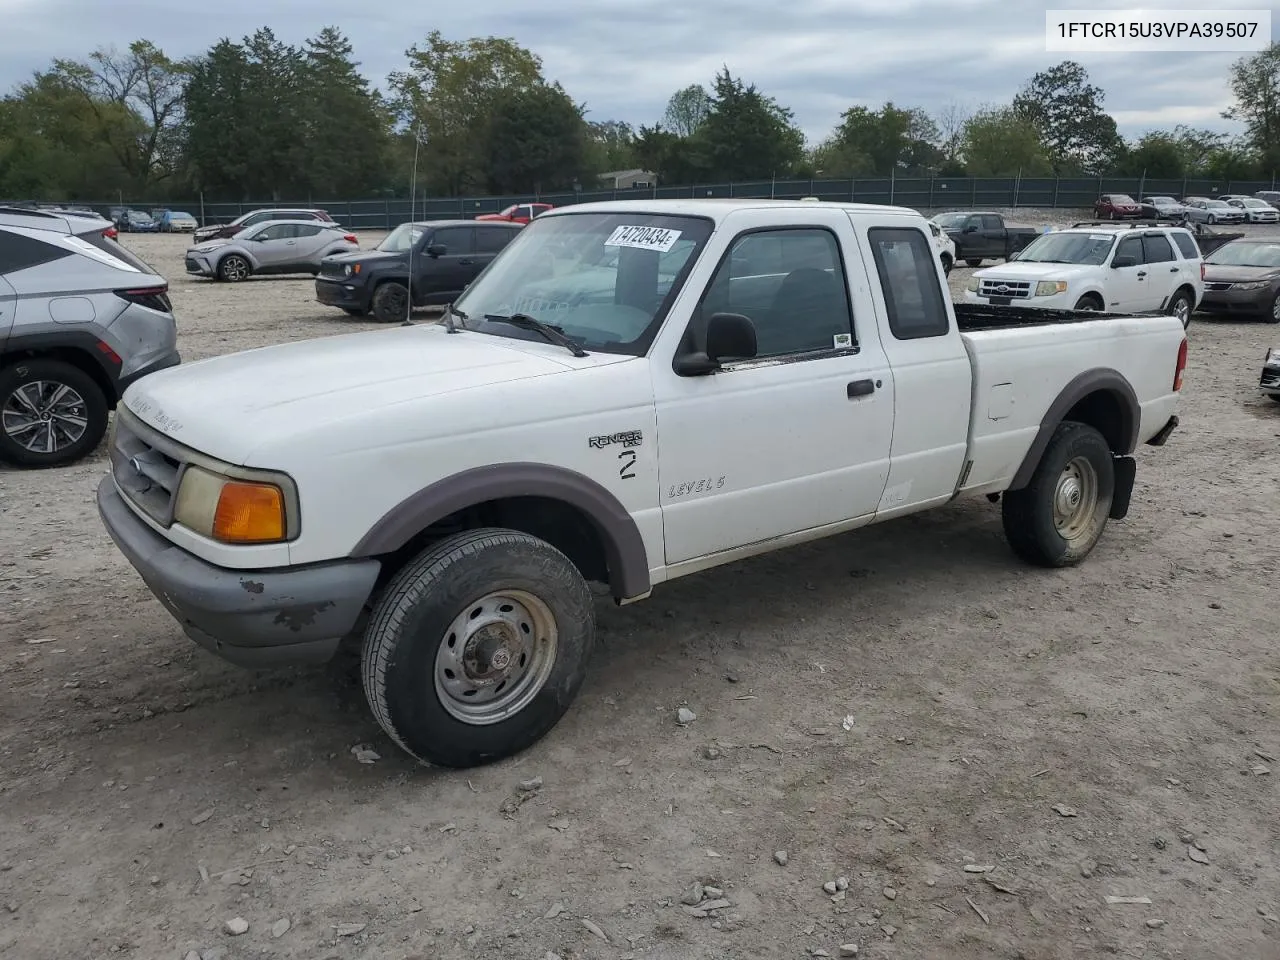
(643, 238)
(89, 250)
(842, 341)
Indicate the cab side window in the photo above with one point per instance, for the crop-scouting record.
(790, 283)
(1157, 248)
(908, 272)
(458, 241)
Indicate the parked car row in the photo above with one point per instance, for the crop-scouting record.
(1228, 208)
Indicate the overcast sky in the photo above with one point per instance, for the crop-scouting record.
(625, 57)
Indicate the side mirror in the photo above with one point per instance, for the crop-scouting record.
(729, 336)
(437, 250)
(1119, 262)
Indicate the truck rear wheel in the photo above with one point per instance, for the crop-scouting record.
(1057, 518)
(478, 647)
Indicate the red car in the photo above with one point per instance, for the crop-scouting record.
(1117, 206)
(518, 213)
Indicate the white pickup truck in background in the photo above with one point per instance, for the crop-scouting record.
(631, 392)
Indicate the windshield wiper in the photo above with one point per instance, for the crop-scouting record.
(526, 322)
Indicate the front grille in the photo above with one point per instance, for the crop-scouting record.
(1018, 289)
(1270, 379)
(146, 467)
(1217, 285)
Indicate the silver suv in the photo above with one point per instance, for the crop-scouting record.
(81, 318)
(224, 231)
(271, 247)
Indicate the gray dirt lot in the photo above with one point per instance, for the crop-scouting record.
(1140, 690)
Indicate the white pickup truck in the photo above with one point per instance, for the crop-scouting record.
(631, 392)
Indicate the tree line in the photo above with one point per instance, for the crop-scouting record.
(261, 119)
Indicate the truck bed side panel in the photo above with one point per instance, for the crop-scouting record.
(1020, 372)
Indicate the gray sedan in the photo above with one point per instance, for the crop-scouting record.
(271, 247)
(1206, 210)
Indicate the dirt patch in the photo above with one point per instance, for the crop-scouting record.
(887, 707)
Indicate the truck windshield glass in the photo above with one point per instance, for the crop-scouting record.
(1084, 248)
(605, 280)
(401, 239)
(951, 221)
(1244, 254)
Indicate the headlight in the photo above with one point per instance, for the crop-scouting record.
(1273, 355)
(1050, 288)
(972, 285)
(1253, 285)
(231, 510)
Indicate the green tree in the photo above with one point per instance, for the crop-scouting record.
(747, 135)
(1255, 83)
(1000, 142)
(52, 147)
(143, 83)
(612, 145)
(347, 123)
(450, 92)
(686, 110)
(673, 158)
(1080, 136)
(878, 142)
(537, 141)
(1157, 154)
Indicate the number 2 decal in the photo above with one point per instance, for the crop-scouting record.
(627, 470)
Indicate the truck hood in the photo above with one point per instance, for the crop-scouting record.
(1022, 270)
(231, 406)
(366, 256)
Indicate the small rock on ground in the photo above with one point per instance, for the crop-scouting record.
(685, 716)
(280, 928)
(848, 950)
(780, 857)
(236, 926)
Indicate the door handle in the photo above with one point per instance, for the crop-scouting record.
(1173, 269)
(1141, 274)
(861, 388)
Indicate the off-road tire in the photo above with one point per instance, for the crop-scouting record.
(390, 303)
(411, 622)
(234, 268)
(1028, 514)
(96, 410)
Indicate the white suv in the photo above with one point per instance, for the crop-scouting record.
(1116, 268)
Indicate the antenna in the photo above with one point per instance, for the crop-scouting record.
(413, 212)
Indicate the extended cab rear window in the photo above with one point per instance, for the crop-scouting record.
(909, 280)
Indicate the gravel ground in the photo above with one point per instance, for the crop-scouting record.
(984, 751)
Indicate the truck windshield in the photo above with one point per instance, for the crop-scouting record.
(951, 221)
(605, 280)
(1083, 248)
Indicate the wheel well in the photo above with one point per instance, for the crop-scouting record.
(1105, 412)
(565, 527)
(1093, 295)
(77, 358)
(1188, 290)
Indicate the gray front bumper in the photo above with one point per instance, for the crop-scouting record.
(255, 618)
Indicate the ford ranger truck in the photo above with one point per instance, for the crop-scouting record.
(631, 392)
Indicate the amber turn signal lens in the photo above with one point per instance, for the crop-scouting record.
(249, 513)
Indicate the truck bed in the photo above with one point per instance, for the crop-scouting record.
(971, 317)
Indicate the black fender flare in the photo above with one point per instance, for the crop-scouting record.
(623, 546)
(1098, 380)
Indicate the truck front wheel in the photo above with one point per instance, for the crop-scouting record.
(1057, 518)
(478, 647)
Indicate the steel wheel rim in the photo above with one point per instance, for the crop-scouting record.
(235, 269)
(495, 657)
(44, 416)
(1075, 499)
